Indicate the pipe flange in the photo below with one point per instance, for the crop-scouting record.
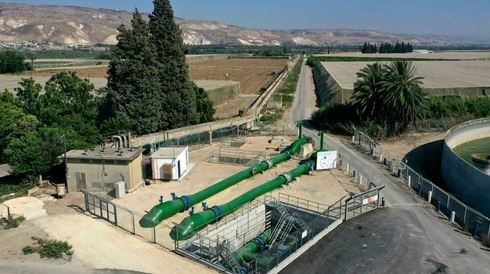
(269, 163)
(310, 165)
(218, 212)
(289, 154)
(287, 176)
(186, 201)
(260, 243)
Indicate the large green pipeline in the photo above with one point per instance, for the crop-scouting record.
(167, 209)
(191, 224)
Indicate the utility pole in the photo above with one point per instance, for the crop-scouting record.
(66, 164)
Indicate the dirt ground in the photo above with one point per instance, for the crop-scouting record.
(100, 245)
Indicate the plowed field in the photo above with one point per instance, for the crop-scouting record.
(253, 74)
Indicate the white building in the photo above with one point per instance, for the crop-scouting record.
(169, 163)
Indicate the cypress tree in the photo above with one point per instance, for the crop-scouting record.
(179, 104)
(133, 92)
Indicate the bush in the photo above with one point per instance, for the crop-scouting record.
(335, 118)
(28, 250)
(49, 249)
(13, 222)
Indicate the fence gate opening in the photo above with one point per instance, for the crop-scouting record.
(100, 207)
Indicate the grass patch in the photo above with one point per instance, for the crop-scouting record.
(12, 222)
(49, 248)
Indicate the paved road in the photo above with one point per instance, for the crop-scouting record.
(407, 237)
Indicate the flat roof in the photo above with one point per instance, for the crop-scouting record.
(168, 152)
(105, 153)
(437, 74)
(5, 170)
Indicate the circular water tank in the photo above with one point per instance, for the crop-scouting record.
(467, 182)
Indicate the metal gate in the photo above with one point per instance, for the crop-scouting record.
(100, 207)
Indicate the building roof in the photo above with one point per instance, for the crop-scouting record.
(5, 170)
(111, 153)
(168, 152)
(437, 74)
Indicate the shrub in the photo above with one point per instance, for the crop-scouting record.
(29, 250)
(13, 222)
(49, 248)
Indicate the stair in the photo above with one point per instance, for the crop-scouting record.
(224, 252)
(285, 224)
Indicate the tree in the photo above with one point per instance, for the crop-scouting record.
(205, 107)
(28, 96)
(134, 91)
(37, 151)
(389, 95)
(403, 97)
(69, 103)
(14, 123)
(179, 104)
(12, 62)
(368, 92)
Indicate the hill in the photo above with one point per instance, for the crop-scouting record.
(68, 25)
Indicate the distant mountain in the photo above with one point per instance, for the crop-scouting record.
(67, 25)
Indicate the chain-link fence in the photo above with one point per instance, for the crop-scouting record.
(468, 218)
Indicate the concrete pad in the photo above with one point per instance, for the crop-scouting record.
(29, 207)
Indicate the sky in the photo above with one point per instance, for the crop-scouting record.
(458, 18)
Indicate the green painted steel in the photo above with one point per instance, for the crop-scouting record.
(246, 253)
(167, 209)
(192, 224)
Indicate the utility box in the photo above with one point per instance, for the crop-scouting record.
(169, 163)
(60, 190)
(119, 189)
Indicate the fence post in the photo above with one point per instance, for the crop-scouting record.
(453, 216)
(429, 198)
(409, 180)
(132, 219)
(115, 215)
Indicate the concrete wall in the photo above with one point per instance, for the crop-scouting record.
(241, 229)
(101, 177)
(327, 88)
(220, 92)
(466, 182)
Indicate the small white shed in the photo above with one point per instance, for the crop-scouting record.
(169, 163)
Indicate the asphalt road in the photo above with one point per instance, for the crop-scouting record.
(406, 237)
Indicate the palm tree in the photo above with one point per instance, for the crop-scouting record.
(367, 96)
(402, 96)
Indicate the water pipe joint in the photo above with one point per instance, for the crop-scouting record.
(287, 176)
(204, 205)
(269, 163)
(289, 154)
(260, 243)
(186, 201)
(218, 212)
(310, 165)
(174, 196)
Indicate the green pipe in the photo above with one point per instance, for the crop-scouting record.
(192, 224)
(169, 208)
(246, 253)
(320, 133)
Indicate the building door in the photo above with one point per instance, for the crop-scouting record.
(81, 180)
(178, 169)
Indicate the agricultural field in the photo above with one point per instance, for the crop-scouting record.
(253, 74)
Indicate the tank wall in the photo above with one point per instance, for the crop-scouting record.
(466, 182)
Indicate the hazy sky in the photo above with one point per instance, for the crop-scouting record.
(463, 18)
